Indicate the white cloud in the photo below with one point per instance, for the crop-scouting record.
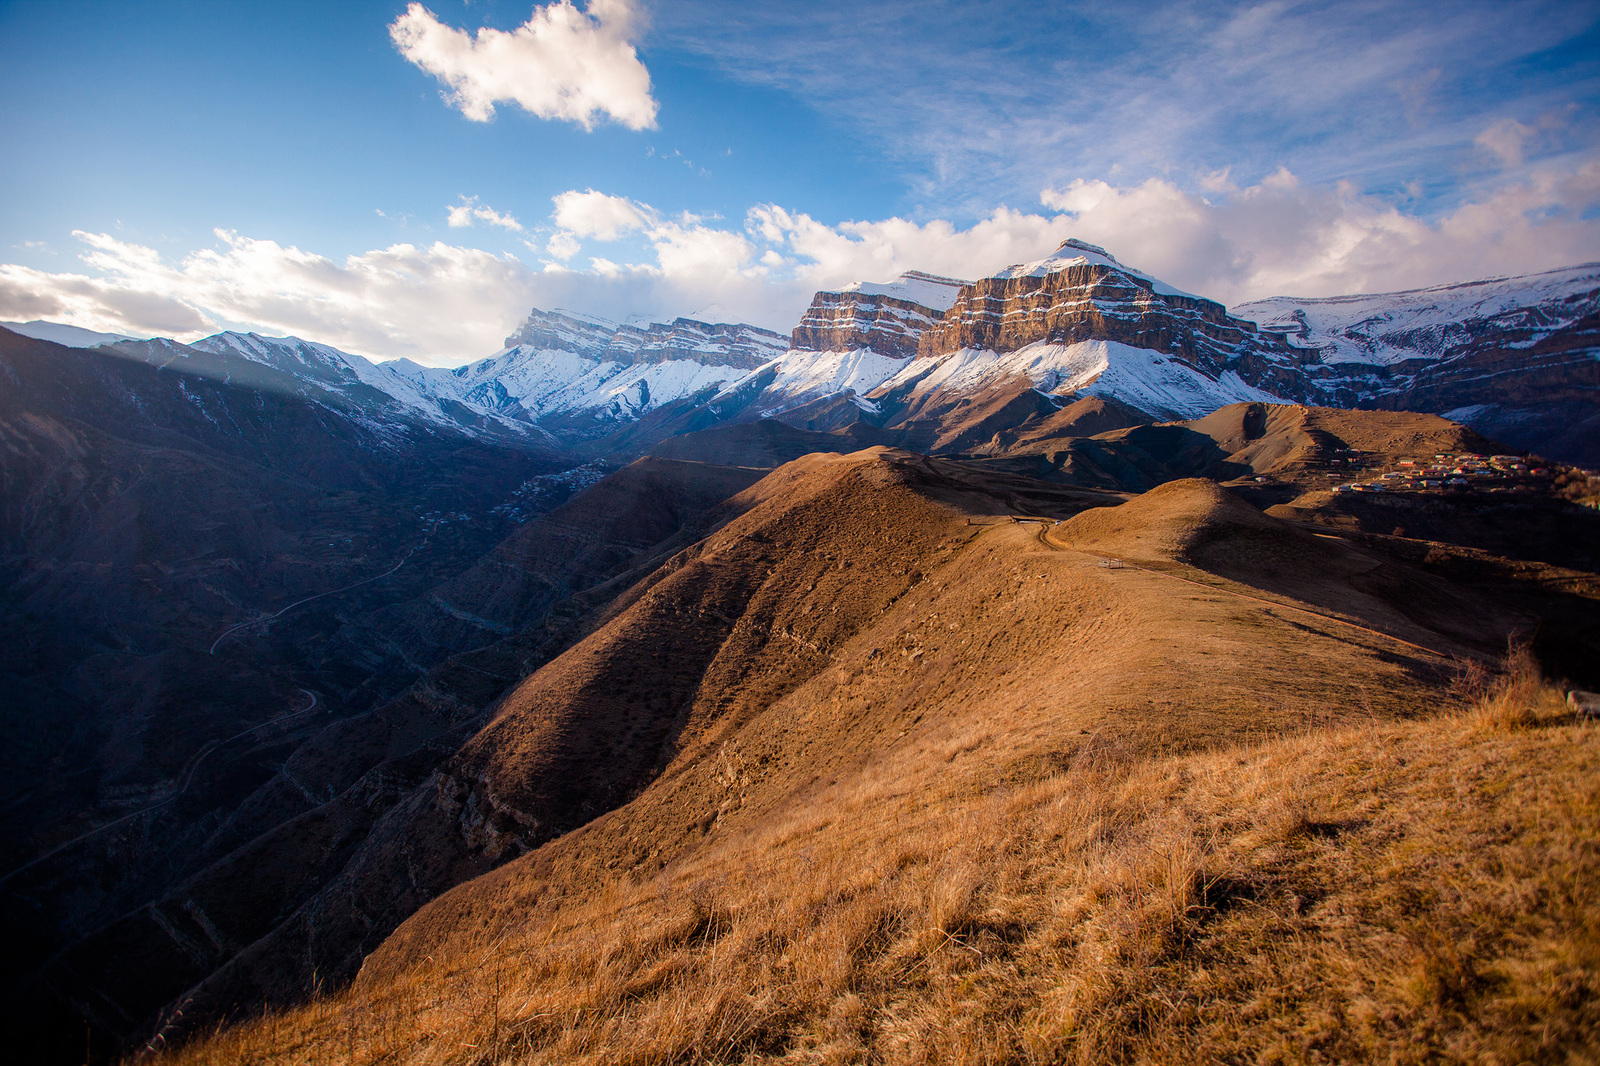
(879, 251)
(469, 210)
(105, 305)
(440, 303)
(1506, 139)
(1280, 237)
(595, 214)
(1511, 142)
(563, 245)
(561, 64)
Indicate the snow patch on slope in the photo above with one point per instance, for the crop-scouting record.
(1157, 384)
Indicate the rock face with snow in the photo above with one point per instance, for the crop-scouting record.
(681, 340)
(1516, 358)
(889, 319)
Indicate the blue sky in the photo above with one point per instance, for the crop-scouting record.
(180, 168)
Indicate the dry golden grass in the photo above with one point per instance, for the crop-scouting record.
(1415, 891)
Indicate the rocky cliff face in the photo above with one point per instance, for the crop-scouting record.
(720, 344)
(1081, 293)
(887, 319)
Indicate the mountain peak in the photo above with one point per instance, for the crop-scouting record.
(1074, 252)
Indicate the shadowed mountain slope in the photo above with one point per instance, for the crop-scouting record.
(252, 869)
(172, 548)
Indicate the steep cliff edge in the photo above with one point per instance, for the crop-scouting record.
(888, 319)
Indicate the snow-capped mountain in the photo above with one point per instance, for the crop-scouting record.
(561, 377)
(1516, 358)
(395, 394)
(1387, 329)
(1078, 321)
(940, 362)
(581, 375)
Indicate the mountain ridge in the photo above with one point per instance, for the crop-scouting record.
(1514, 356)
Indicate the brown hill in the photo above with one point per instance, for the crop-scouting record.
(1288, 442)
(821, 761)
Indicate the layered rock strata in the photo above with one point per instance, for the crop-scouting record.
(887, 319)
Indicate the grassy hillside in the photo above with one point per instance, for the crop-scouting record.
(1169, 779)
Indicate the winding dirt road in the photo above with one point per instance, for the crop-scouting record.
(188, 779)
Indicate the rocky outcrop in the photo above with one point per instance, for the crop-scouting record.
(721, 344)
(887, 319)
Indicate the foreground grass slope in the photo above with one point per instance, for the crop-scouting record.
(1415, 892)
(1164, 780)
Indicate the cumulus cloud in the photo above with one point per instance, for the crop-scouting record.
(1281, 237)
(595, 214)
(562, 63)
(470, 211)
(878, 251)
(562, 245)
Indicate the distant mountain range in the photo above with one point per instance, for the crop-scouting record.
(1515, 358)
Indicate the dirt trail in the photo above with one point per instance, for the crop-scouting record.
(331, 592)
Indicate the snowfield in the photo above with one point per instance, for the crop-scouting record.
(804, 376)
(929, 290)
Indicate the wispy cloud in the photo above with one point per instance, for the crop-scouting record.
(562, 63)
(984, 103)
